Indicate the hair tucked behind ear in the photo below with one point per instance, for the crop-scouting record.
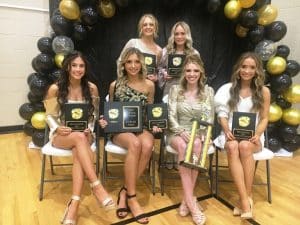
(256, 84)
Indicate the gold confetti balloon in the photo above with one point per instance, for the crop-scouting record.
(247, 3)
(267, 14)
(59, 58)
(107, 8)
(292, 94)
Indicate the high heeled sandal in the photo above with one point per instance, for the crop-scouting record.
(64, 220)
(237, 211)
(198, 217)
(108, 202)
(122, 210)
(138, 217)
(183, 209)
(249, 214)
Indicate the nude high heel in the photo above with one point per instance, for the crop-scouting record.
(249, 214)
(64, 220)
(108, 202)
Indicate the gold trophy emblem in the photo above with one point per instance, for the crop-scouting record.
(157, 112)
(77, 113)
(148, 60)
(113, 113)
(177, 61)
(244, 121)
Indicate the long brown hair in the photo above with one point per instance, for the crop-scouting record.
(256, 85)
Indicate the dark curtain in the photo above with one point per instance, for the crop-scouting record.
(213, 37)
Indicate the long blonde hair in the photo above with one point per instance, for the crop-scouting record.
(256, 85)
(141, 21)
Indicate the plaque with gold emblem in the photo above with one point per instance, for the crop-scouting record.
(243, 125)
(123, 117)
(150, 61)
(76, 116)
(175, 62)
(157, 115)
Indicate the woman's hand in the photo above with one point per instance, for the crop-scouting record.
(255, 139)
(152, 77)
(185, 136)
(229, 136)
(87, 132)
(63, 131)
(156, 129)
(102, 122)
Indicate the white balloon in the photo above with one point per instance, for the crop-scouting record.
(266, 49)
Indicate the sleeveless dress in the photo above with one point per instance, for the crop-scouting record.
(222, 109)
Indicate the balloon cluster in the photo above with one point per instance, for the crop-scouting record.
(254, 21)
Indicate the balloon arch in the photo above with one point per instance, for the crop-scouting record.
(254, 21)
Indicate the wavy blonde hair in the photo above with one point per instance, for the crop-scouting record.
(141, 21)
(188, 47)
(256, 85)
(195, 59)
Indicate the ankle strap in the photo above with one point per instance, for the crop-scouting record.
(75, 197)
(130, 196)
(95, 183)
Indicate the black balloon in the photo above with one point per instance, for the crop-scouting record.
(288, 133)
(60, 25)
(39, 86)
(292, 145)
(83, 2)
(260, 3)
(292, 67)
(34, 98)
(267, 77)
(44, 44)
(89, 15)
(248, 18)
(213, 5)
(28, 128)
(43, 63)
(282, 102)
(276, 31)
(272, 128)
(38, 137)
(122, 3)
(274, 144)
(55, 74)
(31, 77)
(26, 111)
(281, 82)
(80, 32)
(283, 51)
(39, 107)
(256, 34)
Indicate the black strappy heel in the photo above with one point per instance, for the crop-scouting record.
(138, 217)
(122, 210)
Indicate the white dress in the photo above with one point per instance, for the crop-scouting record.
(222, 109)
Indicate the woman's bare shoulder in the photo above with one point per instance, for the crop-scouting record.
(52, 91)
(93, 89)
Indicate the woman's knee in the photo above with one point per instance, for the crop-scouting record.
(79, 138)
(246, 148)
(232, 148)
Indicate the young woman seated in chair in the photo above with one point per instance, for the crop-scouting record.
(245, 93)
(73, 86)
(132, 85)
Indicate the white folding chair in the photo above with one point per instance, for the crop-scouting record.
(264, 155)
(51, 151)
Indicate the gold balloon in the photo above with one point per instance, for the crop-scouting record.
(59, 58)
(276, 65)
(69, 9)
(247, 3)
(267, 14)
(38, 120)
(241, 31)
(107, 8)
(275, 113)
(291, 116)
(292, 94)
(232, 9)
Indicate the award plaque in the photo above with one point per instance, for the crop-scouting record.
(157, 115)
(123, 117)
(150, 61)
(76, 116)
(175, 62)
(243, 125)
